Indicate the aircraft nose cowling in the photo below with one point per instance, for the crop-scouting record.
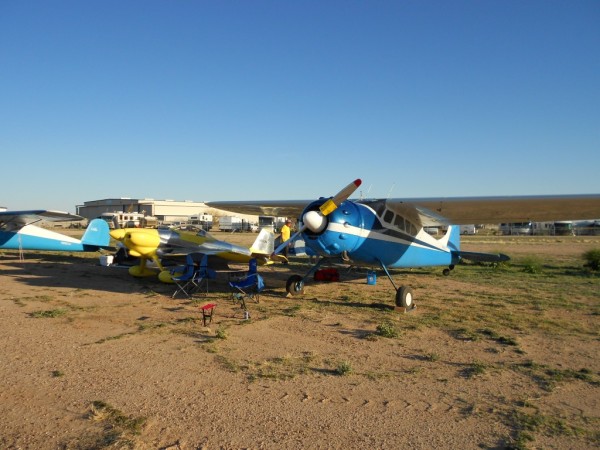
(143, 239)
(342, 232)
(141, 242)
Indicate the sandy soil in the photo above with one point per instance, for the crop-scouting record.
(160, 379)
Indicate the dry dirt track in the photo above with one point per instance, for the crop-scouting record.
(74, 333)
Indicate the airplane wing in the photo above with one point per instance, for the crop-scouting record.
(18, 219)
(277, 208)
(452, 210)
(467, 210)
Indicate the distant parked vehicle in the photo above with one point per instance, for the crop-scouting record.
(230, 223)
(204, 221)
(432, 230)
(516, 228)
(468, 229)
(128, 220)
(563, 229)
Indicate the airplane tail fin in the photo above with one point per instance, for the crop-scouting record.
(452, 237)
(264, 243)
(96, 235)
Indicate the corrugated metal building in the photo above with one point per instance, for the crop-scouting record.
(164, 210)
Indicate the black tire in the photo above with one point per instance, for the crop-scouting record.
(295, 285)
(446, 272)
(404, 298)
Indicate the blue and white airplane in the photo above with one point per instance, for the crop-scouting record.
(17, 232)
(389, 233)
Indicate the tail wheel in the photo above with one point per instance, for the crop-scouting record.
(404, 298)
(295, 285)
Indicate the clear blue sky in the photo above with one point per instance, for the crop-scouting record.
(231, 100)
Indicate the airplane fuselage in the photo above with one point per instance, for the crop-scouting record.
(31, 237)
(374, 235)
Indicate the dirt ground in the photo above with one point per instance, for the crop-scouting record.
(91, 358)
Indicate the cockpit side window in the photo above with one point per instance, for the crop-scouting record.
(399, 222)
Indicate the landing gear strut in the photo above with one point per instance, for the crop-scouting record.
(404, 294)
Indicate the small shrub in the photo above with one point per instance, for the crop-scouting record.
(433, 357)
(387, 329)
(592, 258)
(344, 368)
(221, 333)
(50, 313)
(532, 265)
(120, 423)
(475, 368)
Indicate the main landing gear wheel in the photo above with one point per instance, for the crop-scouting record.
(404, 298)
(295, 285)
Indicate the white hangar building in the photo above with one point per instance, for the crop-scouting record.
(164, 210)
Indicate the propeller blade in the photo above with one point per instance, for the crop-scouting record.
(331, 205)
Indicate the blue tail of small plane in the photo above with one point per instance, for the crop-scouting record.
(454, 238)
(96, 235)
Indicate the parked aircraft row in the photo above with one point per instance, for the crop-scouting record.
(381, 233)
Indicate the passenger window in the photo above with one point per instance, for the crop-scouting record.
(388, 216)
(399, 222)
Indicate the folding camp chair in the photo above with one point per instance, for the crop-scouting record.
(203, 272)
(193, 274)
(183, 275)
(248, 287)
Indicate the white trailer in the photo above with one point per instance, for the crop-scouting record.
(230, 223)
(516, 228)
(468, 229)
(271, 222)
(118, 219)
(204, 221)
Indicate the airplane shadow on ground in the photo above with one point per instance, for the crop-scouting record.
(75, 272)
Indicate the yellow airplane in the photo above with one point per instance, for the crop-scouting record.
(156, 244)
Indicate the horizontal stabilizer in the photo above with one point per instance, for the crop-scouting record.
(483, 257)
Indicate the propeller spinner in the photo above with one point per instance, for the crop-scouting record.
(316, 221)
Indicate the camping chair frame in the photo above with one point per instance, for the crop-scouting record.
(248, 287)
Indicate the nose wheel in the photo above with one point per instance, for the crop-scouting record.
(295, 285)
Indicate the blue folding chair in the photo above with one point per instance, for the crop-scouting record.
(182, 276)
(192, 275)
(203, 272)
(249, 286)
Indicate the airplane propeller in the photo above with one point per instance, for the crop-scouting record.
(316, 221)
